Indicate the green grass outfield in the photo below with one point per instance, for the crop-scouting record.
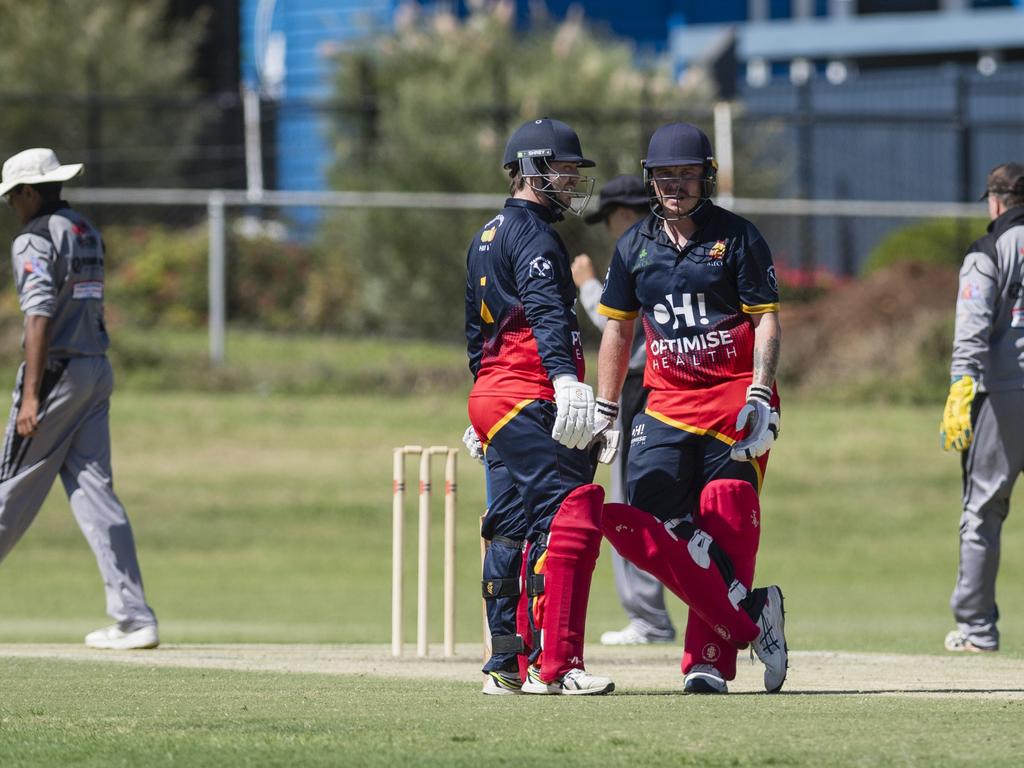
(267, 519)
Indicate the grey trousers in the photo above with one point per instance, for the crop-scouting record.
(73, 440)
(642, 596)
(991, 466)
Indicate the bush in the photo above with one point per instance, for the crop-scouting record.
(941, 242)
(158, 276)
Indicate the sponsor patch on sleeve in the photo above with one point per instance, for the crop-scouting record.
(87, 289)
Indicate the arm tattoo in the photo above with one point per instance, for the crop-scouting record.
(766, 360)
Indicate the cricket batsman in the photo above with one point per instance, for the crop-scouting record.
(534, 417)
(701, 280)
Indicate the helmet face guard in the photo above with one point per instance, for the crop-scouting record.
(663, 186)
(556, 185)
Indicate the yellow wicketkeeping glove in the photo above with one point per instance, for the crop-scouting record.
(956, 419)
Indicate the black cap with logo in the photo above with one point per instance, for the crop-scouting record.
(1005, 179)
(626, 190)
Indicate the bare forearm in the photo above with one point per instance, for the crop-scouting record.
(613, 359)
(767, 348)
(37, 330)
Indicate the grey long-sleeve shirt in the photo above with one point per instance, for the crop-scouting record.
(988, 342)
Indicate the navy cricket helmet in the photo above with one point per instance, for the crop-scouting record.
(545, 138)
(529, 153)
(673, 145)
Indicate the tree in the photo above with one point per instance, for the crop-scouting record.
(431, 106)
(104, 81)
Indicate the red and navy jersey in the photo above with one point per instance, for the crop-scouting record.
(695, 302)
(521, 328)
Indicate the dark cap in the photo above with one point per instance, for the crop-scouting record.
(625, 190)
(679, 144)
(547, 138)
(1005, 179)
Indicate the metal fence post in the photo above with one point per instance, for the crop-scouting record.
(217, 284)
(723, 150)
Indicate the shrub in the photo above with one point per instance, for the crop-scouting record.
(938, 241)
(158, 276)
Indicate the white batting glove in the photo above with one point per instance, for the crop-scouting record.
(473, 444)
(605, 414)
(574, 416)
(761, 422)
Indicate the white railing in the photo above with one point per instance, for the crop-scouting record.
(216, 200)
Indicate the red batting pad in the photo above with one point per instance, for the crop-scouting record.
(568, 565)
(642, 539)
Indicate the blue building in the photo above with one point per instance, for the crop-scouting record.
(772, 47)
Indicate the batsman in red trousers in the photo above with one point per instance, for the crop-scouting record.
(534, 418)
(702, 281)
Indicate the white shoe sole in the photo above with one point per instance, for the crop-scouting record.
(139, 640)
(700, 683)
(554, 689)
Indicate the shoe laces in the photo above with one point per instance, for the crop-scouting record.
(769, 642)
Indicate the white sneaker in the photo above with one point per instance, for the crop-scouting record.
(957, 641)
(704, 678)
(113, 638)
(770, 645)
(574, 682)
(503, 684)
(627, 636)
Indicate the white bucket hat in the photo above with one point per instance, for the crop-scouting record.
(35, 166)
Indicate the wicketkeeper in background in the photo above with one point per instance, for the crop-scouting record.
(59, 422)
(984, 414)
(622, 203)
(535, 417)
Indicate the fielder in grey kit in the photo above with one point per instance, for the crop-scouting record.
(623, 202)
(984, 415)
(59, 421)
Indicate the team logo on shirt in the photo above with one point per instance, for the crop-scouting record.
(717, 250)
(540, 267)
(773, 281)
(641, 262)
(669, 312)
(490, 230)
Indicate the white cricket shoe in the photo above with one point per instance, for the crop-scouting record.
(770, 645)
(113, 638)
(503, 684)
(576, 682)
(957, 641)
(704, 678)
(627, 636)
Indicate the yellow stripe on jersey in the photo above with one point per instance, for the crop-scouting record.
(709, 433)
(485, 313)
(616, 314)
(690, 428)
(507, 418)
(760, 309)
